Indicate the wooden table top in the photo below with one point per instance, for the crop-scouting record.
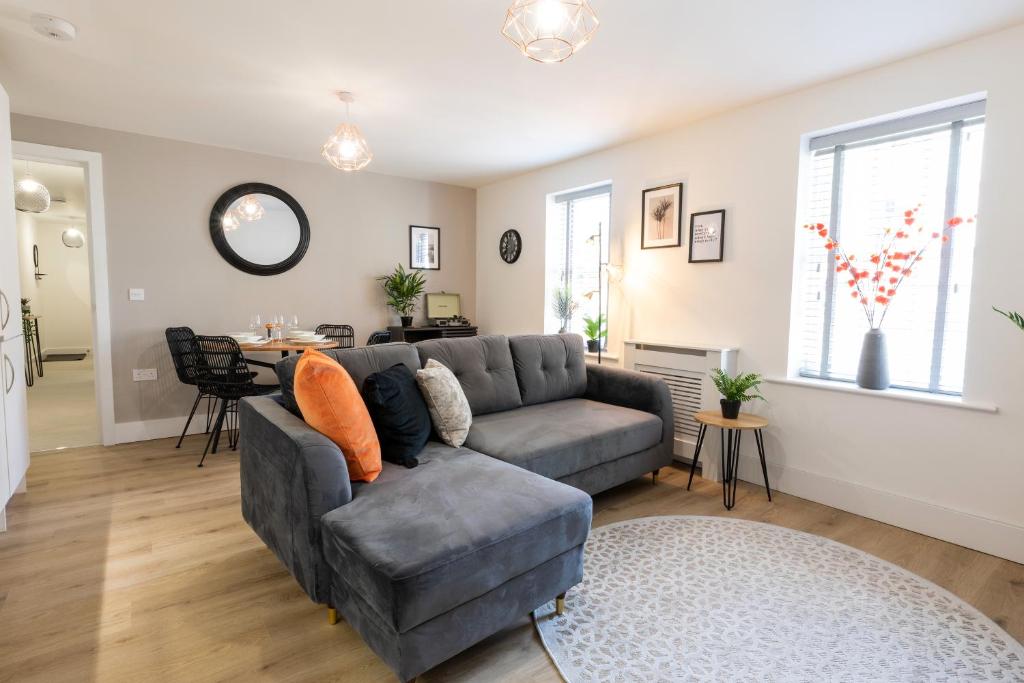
(713, 418)
(285, 345)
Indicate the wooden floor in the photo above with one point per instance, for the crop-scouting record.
(130, 564)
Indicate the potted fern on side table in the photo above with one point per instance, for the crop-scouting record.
(403, 290)
(736, 390)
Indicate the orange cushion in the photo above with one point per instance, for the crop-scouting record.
(331, 404)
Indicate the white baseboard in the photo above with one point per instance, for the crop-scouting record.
(987, 535)
(146, 430)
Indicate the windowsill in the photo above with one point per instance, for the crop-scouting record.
(891, 394)
(604, 356)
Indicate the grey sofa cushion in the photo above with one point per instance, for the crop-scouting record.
(417, 543)
(549, 367)
(564, 437)
(360, 364)
(483, 366)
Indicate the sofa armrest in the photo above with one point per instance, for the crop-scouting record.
(291, 475)
(637, 390)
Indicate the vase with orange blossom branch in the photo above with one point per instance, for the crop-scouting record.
(877, 282)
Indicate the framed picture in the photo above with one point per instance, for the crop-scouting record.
(707, 236)
(424, 248)
(662, 222)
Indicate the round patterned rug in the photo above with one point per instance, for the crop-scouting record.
(715, 599)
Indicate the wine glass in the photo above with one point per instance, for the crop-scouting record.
(256, 324)
(294, 323)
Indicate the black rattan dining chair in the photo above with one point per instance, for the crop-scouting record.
(343, 334)
(224, 373)
(379, 337)
(182, 343)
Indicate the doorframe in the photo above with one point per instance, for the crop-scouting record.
(92, 163)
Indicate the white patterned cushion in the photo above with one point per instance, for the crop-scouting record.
(449, 409)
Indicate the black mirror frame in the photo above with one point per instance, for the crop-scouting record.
(224, 203)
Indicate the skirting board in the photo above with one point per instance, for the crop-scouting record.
(962, 528)
(146, 430)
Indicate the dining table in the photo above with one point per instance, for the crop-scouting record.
(285, 346)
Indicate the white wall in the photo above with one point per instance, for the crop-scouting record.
(26, 224)
(947, 472)
(158, 197)
(63, 295)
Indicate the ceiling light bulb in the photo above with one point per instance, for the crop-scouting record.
(550, 15)
(348, 149)
(229, 222)
(550, 30)
(250, 209)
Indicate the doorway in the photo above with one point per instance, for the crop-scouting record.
(65, 302)
(56, 307)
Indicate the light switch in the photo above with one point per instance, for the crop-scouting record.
(136, 295)
(143, 374)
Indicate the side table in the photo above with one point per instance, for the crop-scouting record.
(732, 430)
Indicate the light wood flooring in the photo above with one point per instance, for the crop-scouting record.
(62, 406)
(130, 564)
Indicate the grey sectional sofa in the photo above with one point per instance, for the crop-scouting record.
(425, 562)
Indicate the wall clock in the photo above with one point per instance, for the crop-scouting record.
(510, 246)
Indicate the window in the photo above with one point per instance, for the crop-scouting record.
(859, 183)
(577, 253)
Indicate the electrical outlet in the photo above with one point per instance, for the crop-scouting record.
(143, 374)
(135, 294)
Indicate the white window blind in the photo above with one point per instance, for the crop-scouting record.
(577, 246)
(859, 184)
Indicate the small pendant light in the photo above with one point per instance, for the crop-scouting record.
(347, 149)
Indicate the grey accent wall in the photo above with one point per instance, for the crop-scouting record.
(158, 196)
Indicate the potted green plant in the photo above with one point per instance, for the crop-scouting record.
(736, 390)
(403, 290)
(563, 306)
(595, 332)
(26, 307)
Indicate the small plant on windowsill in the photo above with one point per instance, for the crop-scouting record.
(875, 286)
(595, 332)
(563, 306)
(736, 390)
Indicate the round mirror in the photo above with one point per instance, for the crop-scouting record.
(259, 229)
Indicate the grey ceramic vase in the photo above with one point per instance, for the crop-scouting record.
(873, 371)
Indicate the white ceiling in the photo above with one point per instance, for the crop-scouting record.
(441, 95)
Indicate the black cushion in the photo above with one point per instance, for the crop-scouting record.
(399, 414)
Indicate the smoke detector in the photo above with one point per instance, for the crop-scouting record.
(52, 27)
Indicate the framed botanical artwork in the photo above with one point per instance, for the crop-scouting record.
(662, 221)
(424, 248)
(707, 236)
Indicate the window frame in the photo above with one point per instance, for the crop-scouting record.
(563, 202)
(955, 119)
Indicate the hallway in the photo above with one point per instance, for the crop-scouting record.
(62, 407)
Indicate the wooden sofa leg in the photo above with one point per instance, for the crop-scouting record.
(332, 616)
(654, 477)
(560, 605)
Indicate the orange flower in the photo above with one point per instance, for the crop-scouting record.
(955, 221)
(852, 283)
(823, 232)
(881, 289)
(891, 292)
(945, 238)
(906, 272)
(853, 294)
(908, 213)
(875, 258)
(864, 300)
(935, 235)
(893, 280)
(820, 226)
(908, 221)
(881, 300)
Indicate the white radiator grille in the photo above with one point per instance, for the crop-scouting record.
(687, 389)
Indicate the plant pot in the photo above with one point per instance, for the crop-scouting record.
(593, 345)
(873, 370)
(730, 409)
(562, 330)
(406, 321)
